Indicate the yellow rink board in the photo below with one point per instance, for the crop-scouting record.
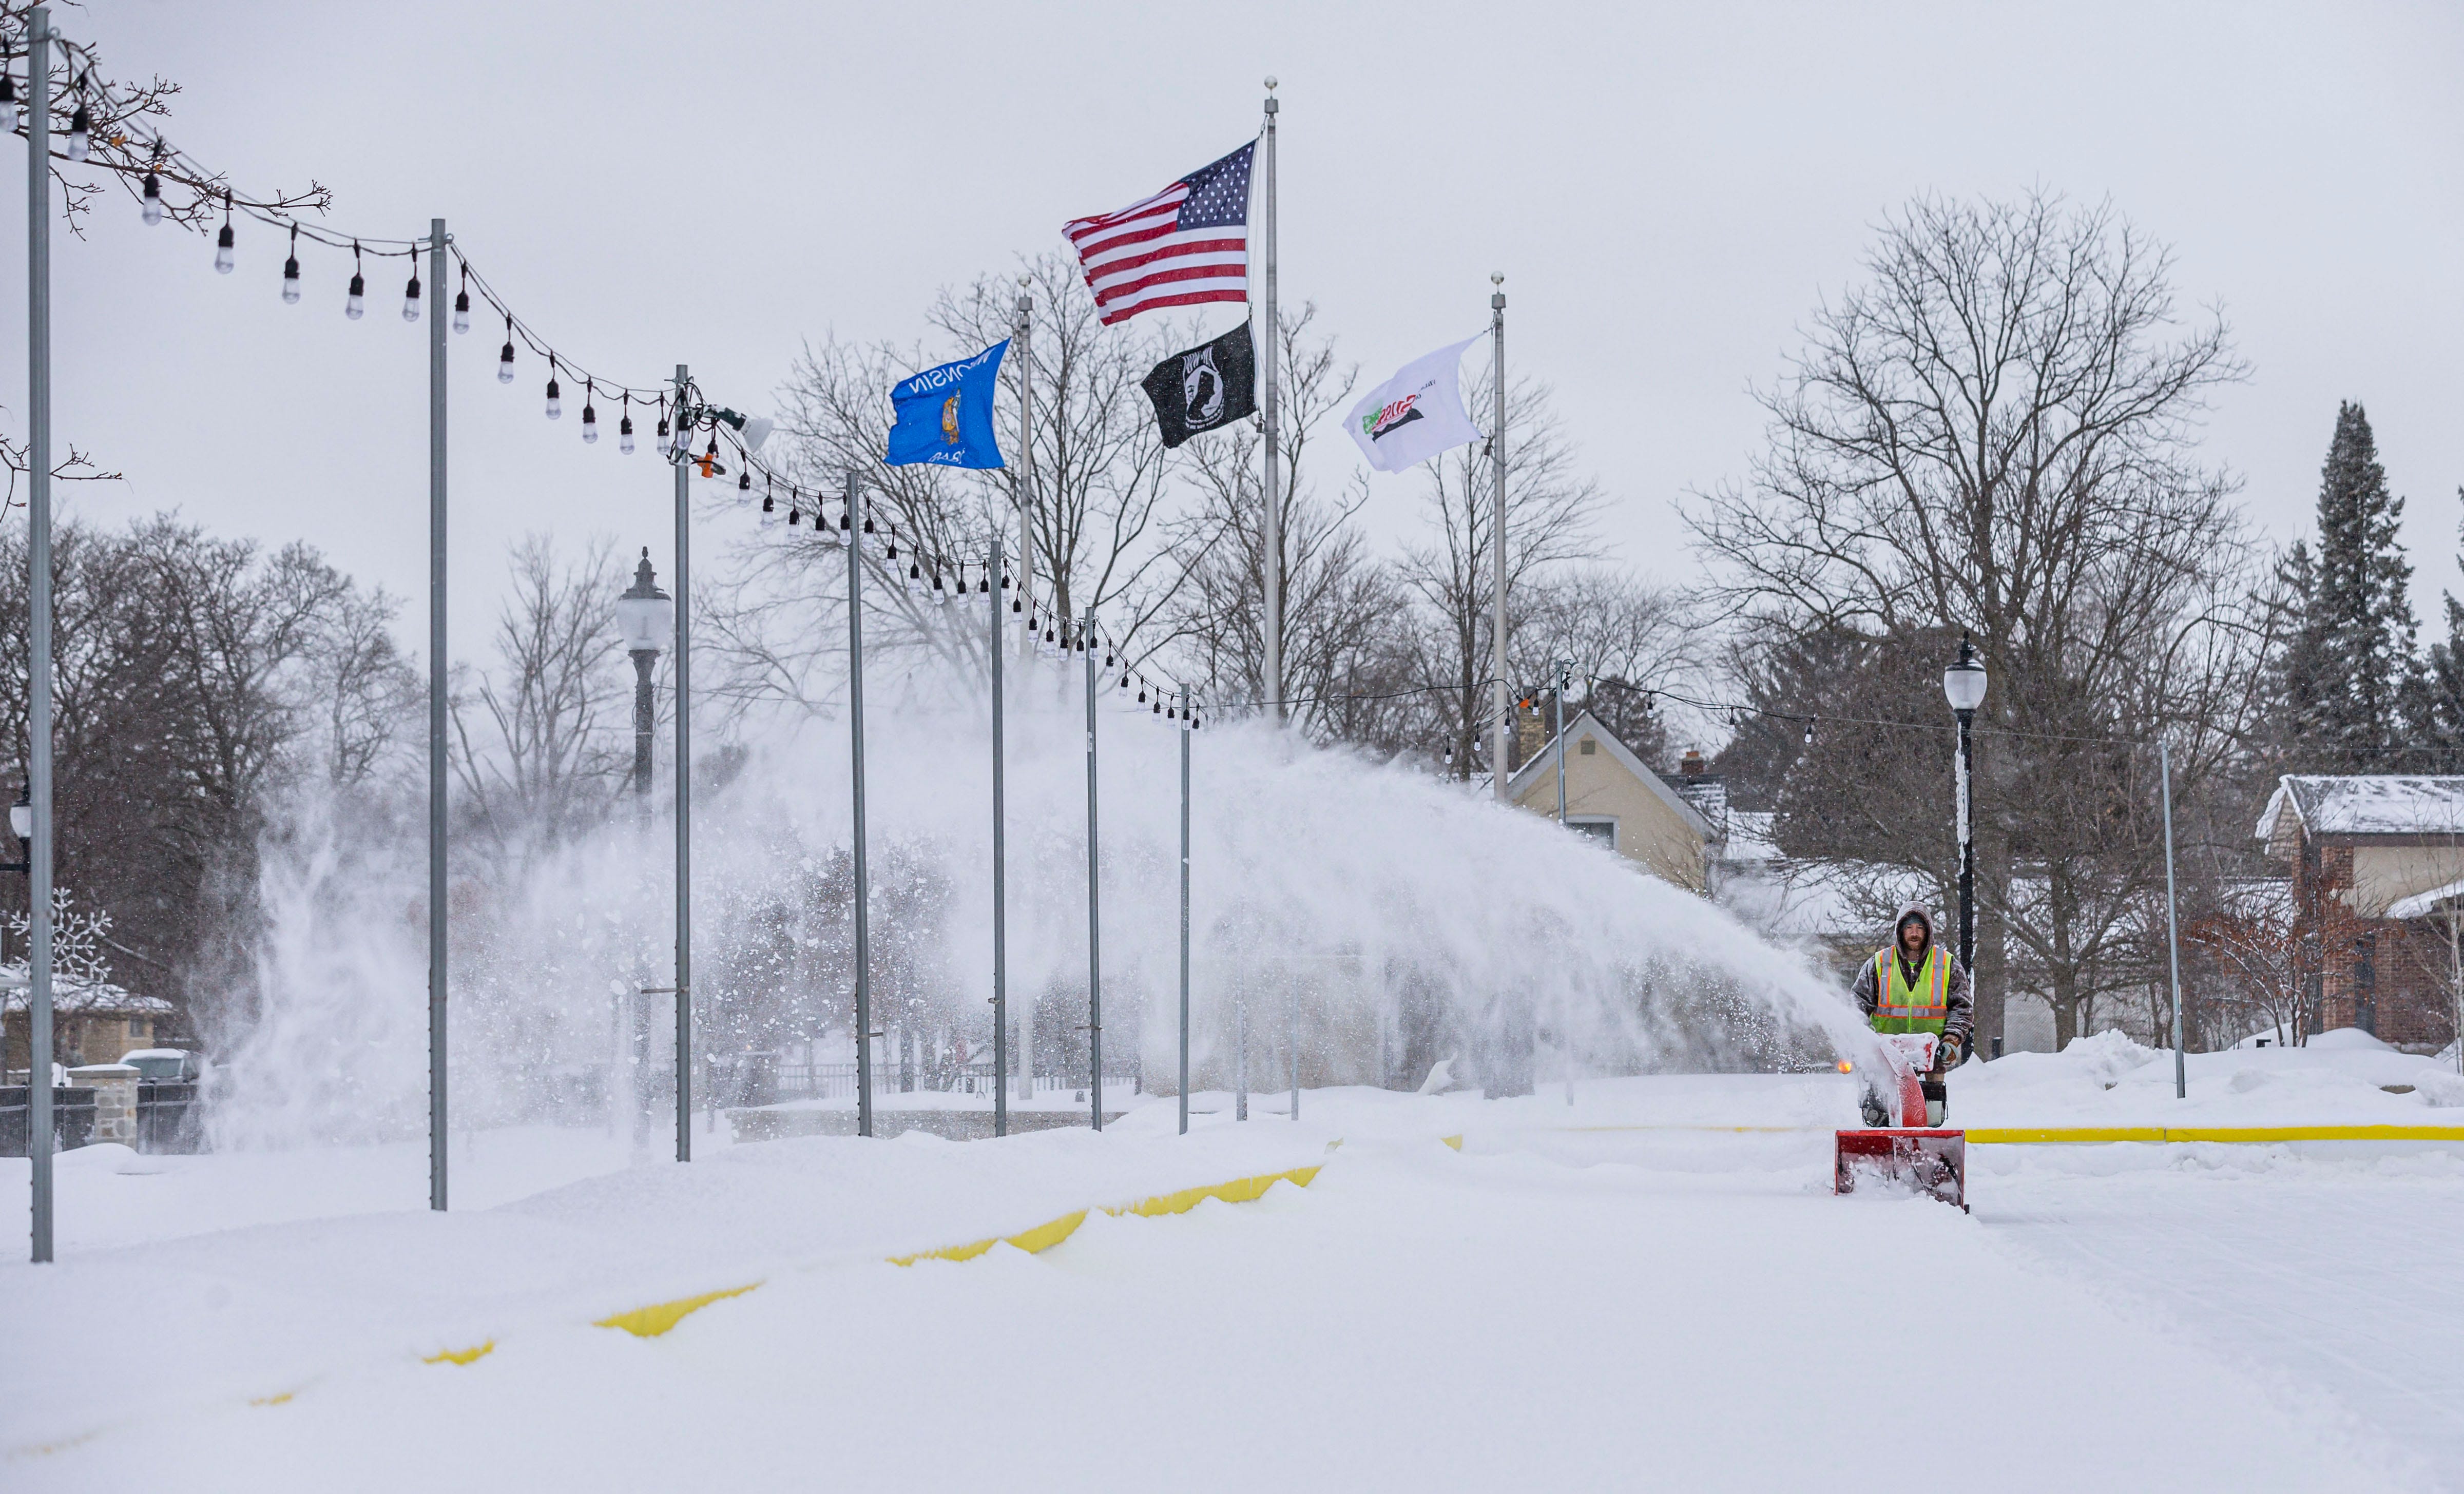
(2041, 1135)
(659, 1317)
(1053, 1232)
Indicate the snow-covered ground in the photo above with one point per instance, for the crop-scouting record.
(1621, 1292)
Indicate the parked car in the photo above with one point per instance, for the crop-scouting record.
(164, 1065)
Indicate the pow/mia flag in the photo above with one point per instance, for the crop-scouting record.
(1211, 385)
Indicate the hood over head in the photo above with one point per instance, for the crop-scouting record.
(1915, 911)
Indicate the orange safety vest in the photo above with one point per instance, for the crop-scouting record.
(1902, 1007)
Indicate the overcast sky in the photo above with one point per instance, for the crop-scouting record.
(1670, 189)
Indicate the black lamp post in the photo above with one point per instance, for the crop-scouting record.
(646, 618)
(21, 825)
(1963, 683)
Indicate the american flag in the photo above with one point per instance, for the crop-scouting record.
(1186, 245)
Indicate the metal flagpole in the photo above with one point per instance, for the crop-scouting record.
(2173, 931)
(863, 888)
(1025, 351)
(1184, 909)
(1094, 907)
(1565, 677)
(38, 588)
(684, 797)
(438, 1067)
(1001, 866)
(1497, 460)
(1274, 514)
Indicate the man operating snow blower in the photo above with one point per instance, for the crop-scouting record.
(1913, 986)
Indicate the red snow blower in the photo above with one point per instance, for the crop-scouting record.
(1929, 1160)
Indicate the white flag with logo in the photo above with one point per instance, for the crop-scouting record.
(1416, 414)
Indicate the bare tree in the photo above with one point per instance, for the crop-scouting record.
(1995, 434)
(1094, 524)
(1550, 509)
(126, 142)
(1346, 643)
(552, 754)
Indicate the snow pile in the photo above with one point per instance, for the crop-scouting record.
(2346, 1077)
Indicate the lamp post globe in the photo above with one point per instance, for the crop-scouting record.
(21, 814)
(1963, 685)
(645, 619)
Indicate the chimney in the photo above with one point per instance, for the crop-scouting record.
(1691, 766)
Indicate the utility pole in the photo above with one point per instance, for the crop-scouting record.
(1272, 426)
(1185, 734)
(684, 791)
(438, 1069)
(1497, 540)
(1094, 893)
(999, 643)
(1023, 337)
(38, 596)
(2172, 930)
(863, 885)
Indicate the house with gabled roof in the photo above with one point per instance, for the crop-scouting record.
(1612, 795)
(2377, 865)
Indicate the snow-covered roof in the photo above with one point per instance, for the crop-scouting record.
(2421, 905)
(2359, 803)
(79, 999)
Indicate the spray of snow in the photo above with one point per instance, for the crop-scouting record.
(1385, 921)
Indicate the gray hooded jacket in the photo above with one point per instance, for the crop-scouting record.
(1961, 1017)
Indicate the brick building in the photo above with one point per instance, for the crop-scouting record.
(2377, 865)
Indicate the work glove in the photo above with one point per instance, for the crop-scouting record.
(1947, 1054)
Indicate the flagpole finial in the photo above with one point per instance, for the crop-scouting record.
(1497, 277)
(1271, 83)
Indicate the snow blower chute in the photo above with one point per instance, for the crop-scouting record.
(1930, 1159)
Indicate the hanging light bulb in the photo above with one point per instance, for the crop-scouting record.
(462, 304)
(1142, 691)
(744, 480)
(914, 578)
(80, 122)
(1125, 679)
(1159, 705)
(1014, 604)
(224, 257)
(795, 513)
(769, 513)
(554, 399)
(844, 521)
(505, 359)
(892, 555)
(590, 412)
(356, 304)
(411, 292)
(983, 584)
(663, 444)
(1108, 656)
(871, 541)
(149, 195)
(1809, 731)
(625, 427)
(290, 271)
(940, 596)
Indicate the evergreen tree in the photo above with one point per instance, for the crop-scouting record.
(2345, 676)
(2435, 702)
